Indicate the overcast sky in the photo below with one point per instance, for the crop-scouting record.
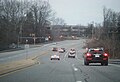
(83, 11)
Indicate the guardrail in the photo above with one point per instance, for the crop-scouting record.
(114, 61)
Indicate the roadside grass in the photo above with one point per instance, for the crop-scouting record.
(106, 44)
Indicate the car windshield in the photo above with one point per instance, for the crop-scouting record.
(96, 52)
(59, 40)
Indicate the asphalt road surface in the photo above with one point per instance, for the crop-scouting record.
(63, 70)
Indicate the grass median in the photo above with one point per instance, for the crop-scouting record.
(10, 67)
(16, 65)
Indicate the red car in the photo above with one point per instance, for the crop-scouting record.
(96, 55)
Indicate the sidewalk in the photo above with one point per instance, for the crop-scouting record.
(16, 65)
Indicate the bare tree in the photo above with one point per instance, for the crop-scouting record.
(110, 31)
(58, 21)
(17, 18)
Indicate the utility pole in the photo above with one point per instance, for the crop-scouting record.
(92, 29)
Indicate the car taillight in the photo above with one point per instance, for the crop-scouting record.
(105, 54)
(88, 54)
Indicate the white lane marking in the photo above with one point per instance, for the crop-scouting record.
(75, 69)
(78, 81)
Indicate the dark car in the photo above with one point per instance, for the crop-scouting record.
(54, 49)
(96, 55)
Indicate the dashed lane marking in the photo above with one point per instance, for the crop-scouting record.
(75, 69)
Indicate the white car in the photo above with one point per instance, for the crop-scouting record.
(61, 50)
(72, 53)
(55, 57)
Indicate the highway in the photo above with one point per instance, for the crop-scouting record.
(63, 70)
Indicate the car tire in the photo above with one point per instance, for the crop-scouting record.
(86, 63)
(51, 58)
(102, 63)
(106, 63)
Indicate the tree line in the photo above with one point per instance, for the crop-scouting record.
(20, 18)
(107, 35)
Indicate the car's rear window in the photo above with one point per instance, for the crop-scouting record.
(96, 51)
